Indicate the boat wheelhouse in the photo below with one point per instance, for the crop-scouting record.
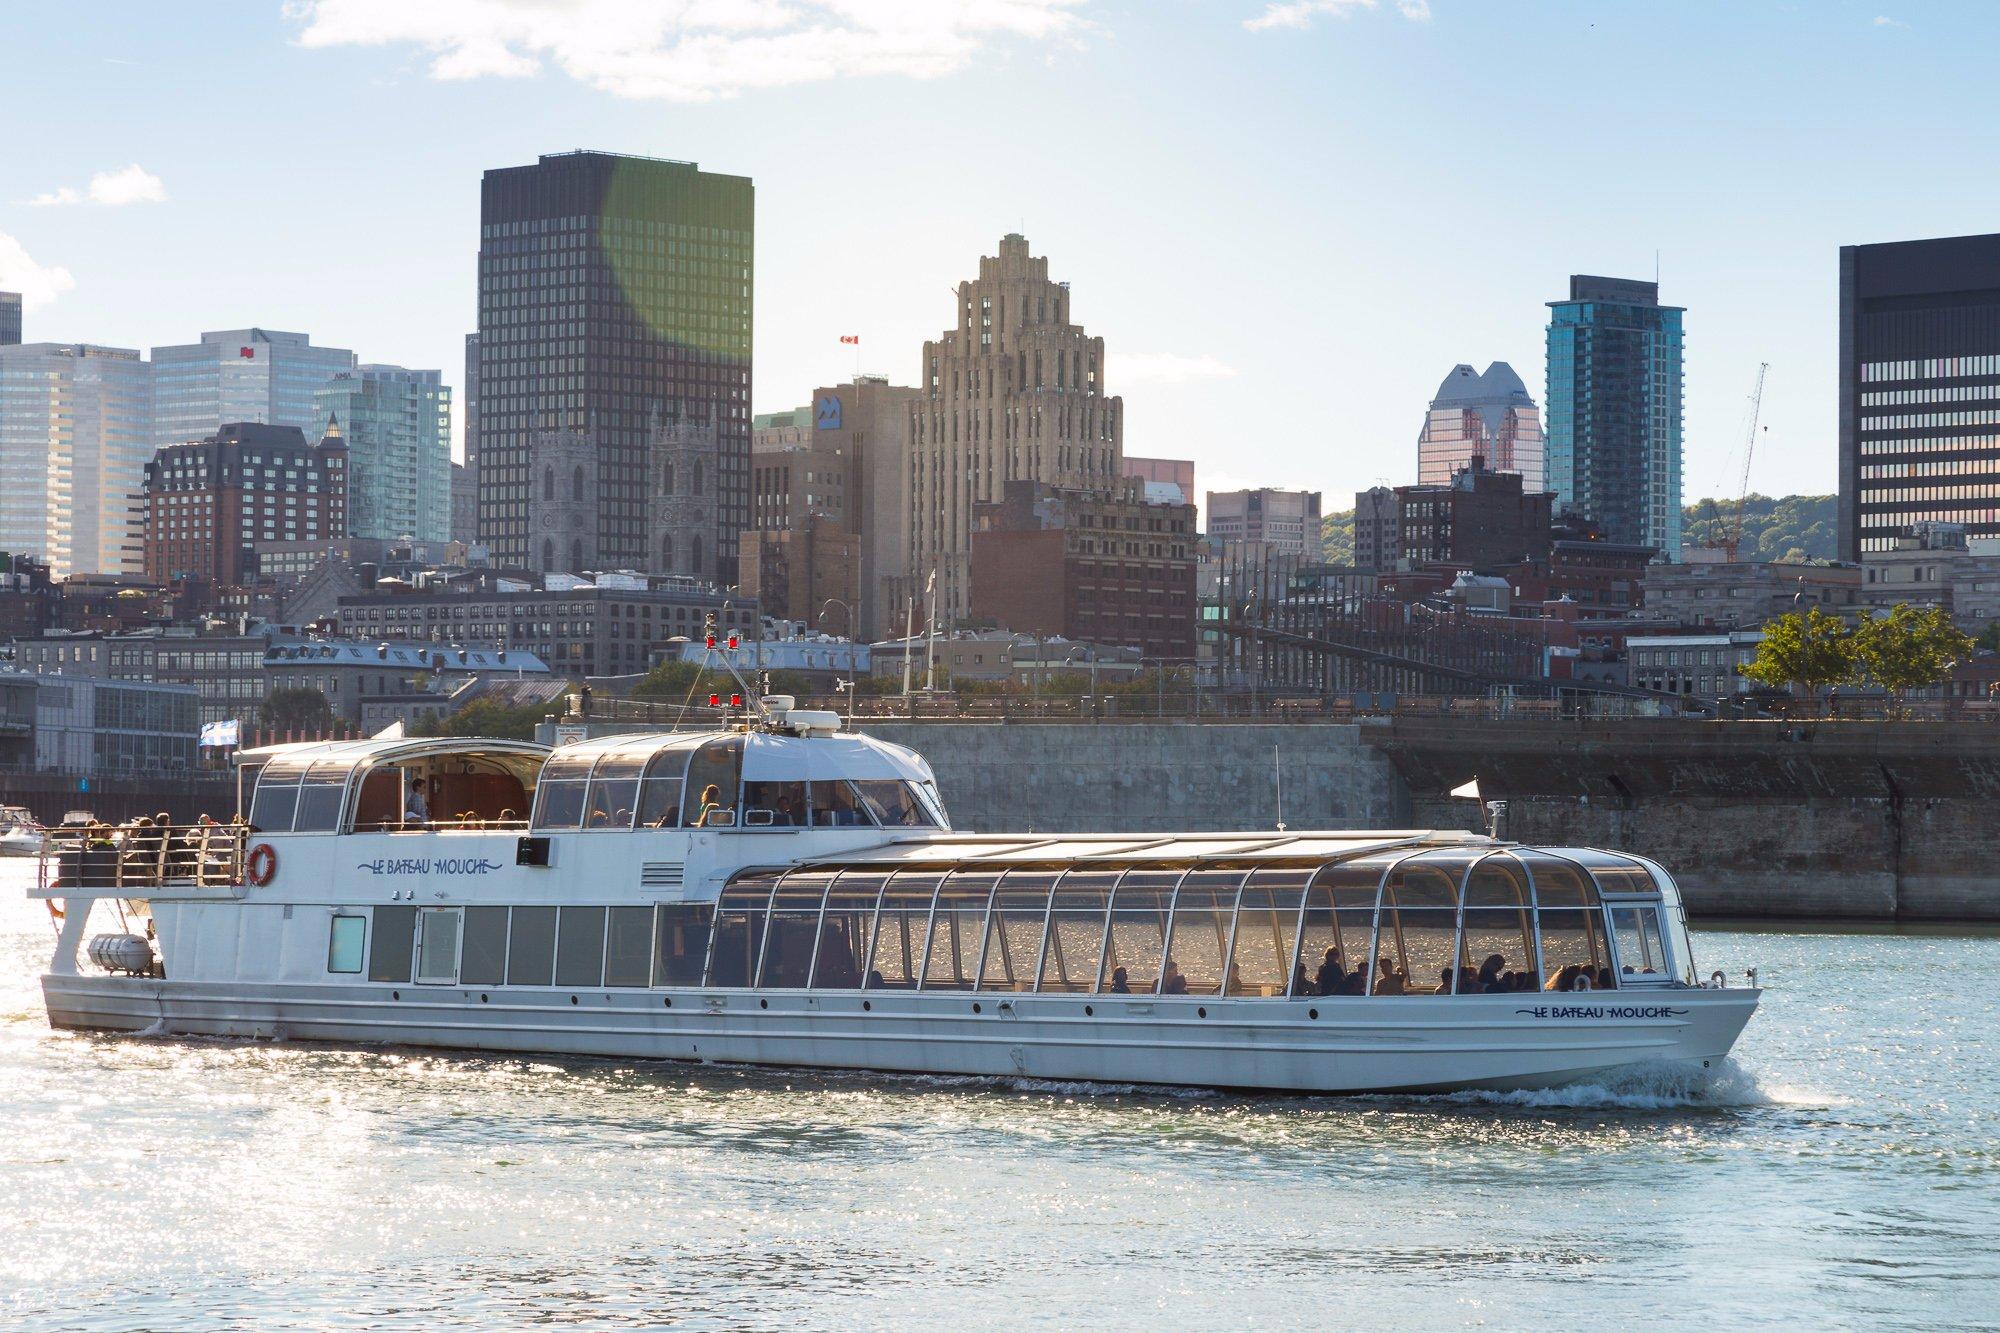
(786, 893)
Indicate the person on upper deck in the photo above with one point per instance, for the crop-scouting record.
(1331, 973)
(711, 805)
(417, 810)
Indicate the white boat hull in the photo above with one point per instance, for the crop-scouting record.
(1335, 1044)
(13, 844)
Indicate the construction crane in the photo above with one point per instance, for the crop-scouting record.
(1735, 538)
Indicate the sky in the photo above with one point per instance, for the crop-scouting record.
(1288, 220)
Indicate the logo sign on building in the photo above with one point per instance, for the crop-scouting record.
(826, 412)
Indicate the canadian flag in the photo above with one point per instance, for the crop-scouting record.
(850, 338)
(247, 352)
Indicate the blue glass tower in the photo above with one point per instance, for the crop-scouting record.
(1614, 410)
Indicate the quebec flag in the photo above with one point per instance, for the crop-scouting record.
(221, 733)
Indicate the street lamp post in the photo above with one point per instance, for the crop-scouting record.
(851, 677)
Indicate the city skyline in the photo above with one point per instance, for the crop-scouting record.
(1320, 272)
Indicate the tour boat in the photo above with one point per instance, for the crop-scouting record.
(780, 891)
(20, 835)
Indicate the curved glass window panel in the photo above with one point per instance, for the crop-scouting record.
(1014, 931)
(1498, 948)
(558, 805)
(321, 796)
(1625, 878)
(774, 804)
(274, 804)
(668, 764)
(1558, 883)
(568, 764)
(285, 769)
(1425, 881)
(791, 928)
(896, 954)
(1135, 944)
(834, 805)
(1497, 881)
(1267, 924)
(892, 804)
(1573, 946)
(957, 926)
(660, 803)
(844, 929)
(739, 930)
(1199, 944)
(1413, 953)
(609, 805)
(1076, 930)
(714, 771)
(1351, 883)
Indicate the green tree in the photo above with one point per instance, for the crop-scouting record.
(295, 708)
(670, 680)
(1909, 649)
(491, 719)
(1336, 537)
(1793, 528)
(1805, 652)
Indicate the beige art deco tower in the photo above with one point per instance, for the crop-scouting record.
(1014, 392)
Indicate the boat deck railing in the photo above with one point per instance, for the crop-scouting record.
(152, 857)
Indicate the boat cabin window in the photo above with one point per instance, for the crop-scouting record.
(614, 791)
(1014, 932)
(835, 805)
(1641, 954)
(1267, 925)
(531, 947)
(560, 794)
(958, 924)
(1337, 928)
(892, 803)
(680, 942)
(1075, 945)
(739, 929)
(1135, 943)
(347, 938)
(483, 947)
(714, 773)
(1198, 947)
(395, 942)
(579, 946)
(902, 923)
(275, 801)
(660, 792)
(791, 927)
(774, 804)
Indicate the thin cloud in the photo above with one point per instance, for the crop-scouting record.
(691, 50)
(38, 284)
(109, 189)
(1301, 13)
(1168, 368)
(1884, 21)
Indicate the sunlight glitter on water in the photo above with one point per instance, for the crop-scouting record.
(1841, 1168)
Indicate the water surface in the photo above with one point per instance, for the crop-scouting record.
(1843, 1169)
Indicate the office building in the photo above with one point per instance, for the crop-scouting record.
(1105, 566)
(92, 726)
(809, 572)
(1480, 520)
(464, 504)
(1266, 521)
(1160, 474)
(396, 424)
(580, 628)
(1614, 410)
(1745, 594)
(1489, 415)
(207, 503)
(1014, 391)
(469, 412)
(1378, 533)
(1697, 666)
(845, 457)
(240, 375)
(10, 319)
(614, 365)
(74, 440)
(1919, 389)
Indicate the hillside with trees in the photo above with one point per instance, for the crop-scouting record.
(1790, 527)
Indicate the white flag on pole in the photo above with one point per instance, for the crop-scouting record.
(221, 733)
(1470, 789)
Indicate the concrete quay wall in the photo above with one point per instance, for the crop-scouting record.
(1151, 777)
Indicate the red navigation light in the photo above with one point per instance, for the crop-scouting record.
(714, 700)
(732, 643)
(735, 701)
(711, 641)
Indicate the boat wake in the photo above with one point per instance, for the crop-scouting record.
(1654, 1087)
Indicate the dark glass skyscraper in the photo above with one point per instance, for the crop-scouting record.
(1919, 389)
(613, 426)
(1614, 410)
(10, 319)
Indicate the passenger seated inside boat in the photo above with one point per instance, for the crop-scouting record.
(1171, 980)
(1331, 973)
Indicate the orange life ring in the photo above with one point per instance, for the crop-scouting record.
(261, 864)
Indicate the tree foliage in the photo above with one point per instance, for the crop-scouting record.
(490, 718)
(1909, 649)
(1788, 528)
(1804, 651)
(295, 708)
(1336, 537)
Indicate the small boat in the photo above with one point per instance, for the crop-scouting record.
(20, 834)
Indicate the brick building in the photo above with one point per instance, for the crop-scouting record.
(1479, 518)
(208, 503)
(1106, 567)
(794, 573)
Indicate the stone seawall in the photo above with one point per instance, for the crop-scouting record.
(1154, 777)
(1834, 820)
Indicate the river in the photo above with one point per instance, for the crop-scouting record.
(1842, 1169)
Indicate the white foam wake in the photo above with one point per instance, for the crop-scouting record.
(1655, 1087)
